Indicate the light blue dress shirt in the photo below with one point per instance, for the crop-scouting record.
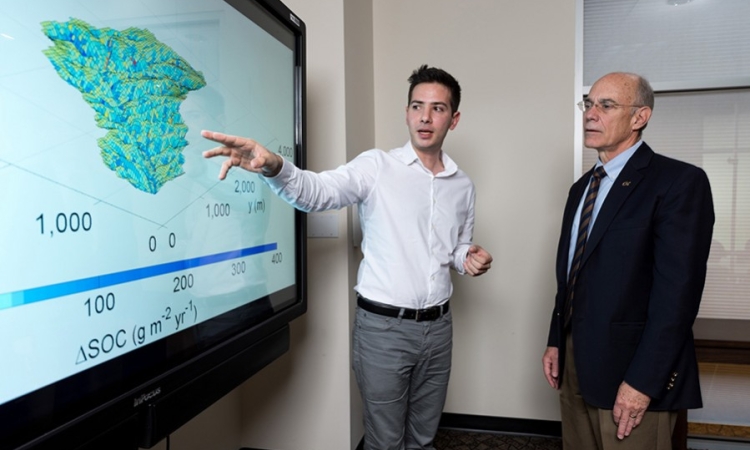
(613, 169)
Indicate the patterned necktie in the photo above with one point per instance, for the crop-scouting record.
(583, 234)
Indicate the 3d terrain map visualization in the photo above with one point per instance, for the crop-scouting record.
(135, 84)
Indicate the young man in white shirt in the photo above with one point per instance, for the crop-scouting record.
(416, 209)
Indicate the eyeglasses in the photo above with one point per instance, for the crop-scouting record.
(605, 106)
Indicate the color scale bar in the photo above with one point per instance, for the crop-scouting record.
(38, 294)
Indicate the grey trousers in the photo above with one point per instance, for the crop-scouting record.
(402, 369)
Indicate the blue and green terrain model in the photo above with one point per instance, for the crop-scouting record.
(135, 85)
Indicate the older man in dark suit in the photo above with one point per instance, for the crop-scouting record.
(631, 265)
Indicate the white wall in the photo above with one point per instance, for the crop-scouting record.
(515, 62)
(360, 134)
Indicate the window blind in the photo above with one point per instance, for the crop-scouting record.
(670, 42)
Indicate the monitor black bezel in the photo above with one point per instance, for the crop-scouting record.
(120, 397)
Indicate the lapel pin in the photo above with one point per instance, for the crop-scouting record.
(626, 183)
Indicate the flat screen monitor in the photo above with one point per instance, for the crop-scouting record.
(135, 287)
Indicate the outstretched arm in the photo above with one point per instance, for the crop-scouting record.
(242, 152)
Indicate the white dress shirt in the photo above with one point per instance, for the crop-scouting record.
(416, 226)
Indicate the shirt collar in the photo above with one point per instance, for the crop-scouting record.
(615, 165)
(408, 156)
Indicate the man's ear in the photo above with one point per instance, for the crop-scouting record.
(454, 120)
(641, 118)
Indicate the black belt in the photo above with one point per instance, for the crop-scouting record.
(419, 315)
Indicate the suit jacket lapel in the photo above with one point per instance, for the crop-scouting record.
(626, 182)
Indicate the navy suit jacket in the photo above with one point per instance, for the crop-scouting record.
(640, 284)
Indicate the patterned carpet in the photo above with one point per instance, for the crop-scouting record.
(465, 440)
(448, 439)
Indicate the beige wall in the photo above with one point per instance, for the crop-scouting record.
(515, 61)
